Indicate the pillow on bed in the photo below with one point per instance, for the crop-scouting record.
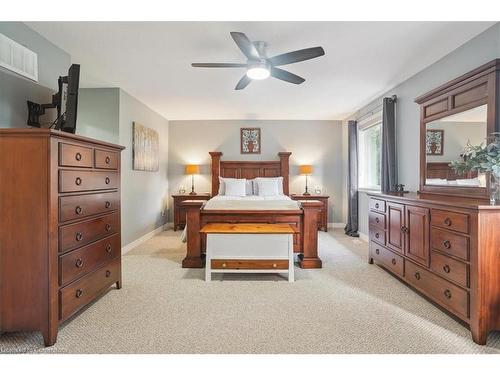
(279, 181)
(222, 185)
(268, 187)
(236, 187)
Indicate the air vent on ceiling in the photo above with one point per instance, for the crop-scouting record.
(18, 58)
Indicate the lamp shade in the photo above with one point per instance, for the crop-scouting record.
(192, 169)
(306, 169)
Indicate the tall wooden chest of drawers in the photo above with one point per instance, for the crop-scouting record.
(59, 227)
(447, 248)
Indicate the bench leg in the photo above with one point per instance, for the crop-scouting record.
(291, 265)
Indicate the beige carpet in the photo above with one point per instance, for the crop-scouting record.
(348, 306)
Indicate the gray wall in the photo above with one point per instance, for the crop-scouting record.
(482, 49)
(311, 142)
(98, 114)
(144, 194)
(15, 90)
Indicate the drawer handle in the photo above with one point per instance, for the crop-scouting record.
(447, 244)
(377, 235)
(78, 181)
(108, 227)
(78, 210)
(446, 268)
(107, 180)
(377, 220)
(107, 205)
(108, 159)
(404, 229)
(447, 221)
(108, 273)
(79, 263)
(447, 293)
(79, 293)
(78, 156)
(223, 265)
(377, 205)
(108, 249)
(275, 265)
(393, 261)
(417, 275)
(79, 236)
(377, 251)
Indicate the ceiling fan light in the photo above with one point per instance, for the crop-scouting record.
(258, 73)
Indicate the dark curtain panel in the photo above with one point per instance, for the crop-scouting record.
(351, 229)
(389, 177)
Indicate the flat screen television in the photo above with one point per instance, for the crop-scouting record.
(65, 101)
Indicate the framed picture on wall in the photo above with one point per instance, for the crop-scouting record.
(250, 140)
(145, 148)
(434, 142)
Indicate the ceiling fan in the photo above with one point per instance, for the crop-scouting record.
(259, 66)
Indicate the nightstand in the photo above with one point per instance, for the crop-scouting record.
(323, 213)
(179, 212)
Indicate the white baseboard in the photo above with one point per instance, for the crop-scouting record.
(363, 236)
(140, 240)
(336, 225)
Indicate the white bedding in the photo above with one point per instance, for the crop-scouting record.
(251, 202)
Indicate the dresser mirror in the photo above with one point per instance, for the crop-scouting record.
(460, 112)
(445, 141)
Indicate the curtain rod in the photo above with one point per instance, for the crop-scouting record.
(374, 109)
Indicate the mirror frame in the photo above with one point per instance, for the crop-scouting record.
(471, 90)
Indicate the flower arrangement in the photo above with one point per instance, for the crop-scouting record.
(482, 158)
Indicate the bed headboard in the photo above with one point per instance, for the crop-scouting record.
(250, 169)
(443, 170)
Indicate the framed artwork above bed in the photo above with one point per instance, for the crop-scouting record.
(250, 140)
(434, 142)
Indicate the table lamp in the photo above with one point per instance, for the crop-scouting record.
(306, 170)
(192, 169)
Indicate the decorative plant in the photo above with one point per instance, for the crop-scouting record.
(480, 158)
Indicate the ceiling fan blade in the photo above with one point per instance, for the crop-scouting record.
(296, 56)
(246, 46)
(218, 65)
(286, 76)
(243, 82)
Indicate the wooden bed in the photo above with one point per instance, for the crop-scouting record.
(304, 219)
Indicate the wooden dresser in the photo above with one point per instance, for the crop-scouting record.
(448, 248)
(180, 211)
(60, 227)
(323, 212)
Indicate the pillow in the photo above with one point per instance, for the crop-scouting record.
(235, 187)
(268, 187)
(222, 185)
(279, 181)
(469, 182)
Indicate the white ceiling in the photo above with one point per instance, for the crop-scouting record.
(151, 61)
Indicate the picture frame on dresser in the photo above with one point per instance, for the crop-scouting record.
(61, 209)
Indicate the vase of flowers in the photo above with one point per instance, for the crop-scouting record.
(483, 159)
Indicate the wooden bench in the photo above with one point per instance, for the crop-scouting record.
(249, 248)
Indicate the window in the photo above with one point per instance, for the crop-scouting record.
(369, 151)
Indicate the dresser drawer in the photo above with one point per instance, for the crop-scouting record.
(450, 243)
(106, 159)
(75, 235)
(249, 264)
(70, 181)
(81, 292)
(450, 220)
(376, 219)
(79, 206)
(387, 258)
(445, 293)
(449, 268)
(86, 259)
(377, 205)
(75, 156)
(377, 235)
